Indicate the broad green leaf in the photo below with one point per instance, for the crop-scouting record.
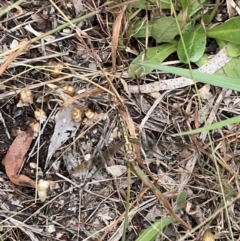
(164, 29)
(228, 31)
(181, 199)
(221, 43)
(138, 29)
(208, 16)
(207, 19)
(231, 69)
(216, 125)
(212, 79)
(233, 50)
(204, 59)
(144, 4)
(189, 27)
(191, 6)
(195, 42)
(1, 229)
(152, 55)
(184, 3)
(151, 232)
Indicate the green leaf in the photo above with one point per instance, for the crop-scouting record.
(164, 29)
(228, 31)
(138, 29)
(1, 229)
(181, 199)
(221, 43)
(152, 55)
(191, 6)
(208, 17)
(195, 42)
(233, 50)
(232, 69)
(151, 232)
(204, 59)
(164, 4)
(184, 3)
(189, 27)
(212, 79)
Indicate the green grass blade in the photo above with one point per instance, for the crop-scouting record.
(212, 79)
(10, 7)
(150, 233)
(181, 199)
(211, 127)
(126, 219)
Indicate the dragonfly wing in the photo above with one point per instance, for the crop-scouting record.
(156, 146)
(97, 160)
(85, 165)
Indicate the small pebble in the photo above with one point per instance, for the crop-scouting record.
(33, 165)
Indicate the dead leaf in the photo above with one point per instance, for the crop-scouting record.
(205, 92)
(65, 128)
(15, 158)
(117, 170)
(78, 5)
(37, 18)
(115, 36)
(105, 214)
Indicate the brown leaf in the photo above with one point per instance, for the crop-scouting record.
(115, 36)
(15, 158)
(78, 5)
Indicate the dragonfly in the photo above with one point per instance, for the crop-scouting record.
(130, 159)
(127, 142)
(131, 163)
(132, 167)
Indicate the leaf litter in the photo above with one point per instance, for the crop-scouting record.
(65, 128)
